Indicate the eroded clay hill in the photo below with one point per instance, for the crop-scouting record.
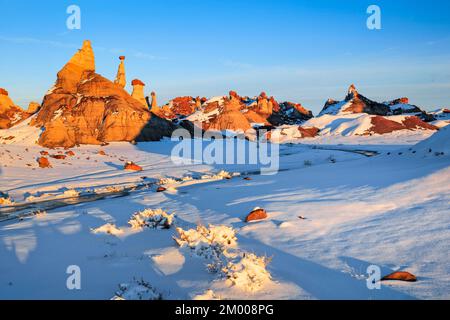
(85, 108)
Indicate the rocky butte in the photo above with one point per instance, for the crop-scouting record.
(85, 108)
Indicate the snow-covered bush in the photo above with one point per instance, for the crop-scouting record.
(164, 181)
(212, 242)
(248, 273)
(40, 213)
(137, 290)
(109, 189)
(108, 228)
(152, 218)
(208, 295)
(222, 175)
(307, 163)
(71, 193)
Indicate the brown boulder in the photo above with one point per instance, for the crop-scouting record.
(86, 108)
(308, 132)
(256, 214)
(43, 162)
(102, 153)
(132, 166)
(161, 189)
(70, 153)
(400, 276)
(58, 156)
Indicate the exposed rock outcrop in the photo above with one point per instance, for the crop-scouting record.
(229, 117)
(221, 113)
(121, 79)
(354, 102)
(290, 113)
(85, 108)
(33, 107)
(10, 114)
(382, 125)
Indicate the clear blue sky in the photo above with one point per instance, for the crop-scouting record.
(303, 51)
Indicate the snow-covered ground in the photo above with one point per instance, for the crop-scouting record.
(332, 212)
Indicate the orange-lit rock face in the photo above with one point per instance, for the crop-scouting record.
(255, 215)
(154, 104)
(138, 92)
(33, 107)
(403, 100)
(230, 118)
(183, 106)
(121, 77)
(86, 108)
(10, 114)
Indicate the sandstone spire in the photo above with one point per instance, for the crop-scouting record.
(79, 67)
(138, 91)
(154, 105)
(120, 77)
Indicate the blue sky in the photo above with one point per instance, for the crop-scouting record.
(302, 51)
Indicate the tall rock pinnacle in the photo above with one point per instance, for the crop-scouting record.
(79, 66)
(352, 93)
(120, 77)
(154, 105)
(138, 91)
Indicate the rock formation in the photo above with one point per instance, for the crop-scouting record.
(383, 125)
(138, 91)
(33, 107)
(120, 77)
(86, 108)
(10, 114)
(290, 113)
(229, 117)
(354, 102)
(154, 103)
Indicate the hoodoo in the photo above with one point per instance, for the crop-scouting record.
(138, 91)
(120, 77)
(154, 104)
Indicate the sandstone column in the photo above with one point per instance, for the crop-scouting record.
(154, 105)
(120, 77)
(138, 91)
